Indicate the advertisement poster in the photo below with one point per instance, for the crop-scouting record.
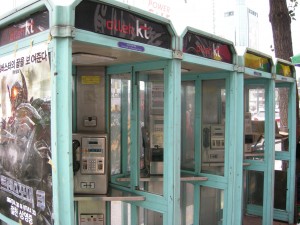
(25, 145)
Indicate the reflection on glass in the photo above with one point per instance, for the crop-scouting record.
(255, 185)
(213, 126)
(187, 125)
(280, 185)
(151, 132)
(120, 121)
(187, 203)
(120, 213)
(149, 217)
(211, 206)
(254, 125)
(282, 120)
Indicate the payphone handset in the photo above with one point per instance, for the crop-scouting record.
(90, 164)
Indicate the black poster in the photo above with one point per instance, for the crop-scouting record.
(25, 140)
(33, 24)
(112, 21)
(205, 47)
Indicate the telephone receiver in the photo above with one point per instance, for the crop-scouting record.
(76, 163)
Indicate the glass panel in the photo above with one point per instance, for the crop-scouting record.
(211, 206)
(213, 126)
(187, 203)
(120, 213)
(280, 186)
(187, 125)
(281, 118)
(120, 123)
(151, 133)
(254, 124)
(255, 187)
(149, 217)
(254, 142)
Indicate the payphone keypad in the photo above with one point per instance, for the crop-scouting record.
(92, 156)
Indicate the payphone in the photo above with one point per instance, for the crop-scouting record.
(213, 143)
(90, 163)
(90, 144)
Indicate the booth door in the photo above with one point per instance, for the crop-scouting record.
(284, 159)
(254, 154)
(203, 105)
(137, 135)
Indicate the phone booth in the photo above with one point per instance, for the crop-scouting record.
(211, 137)
(105, 77)
(285, 143)
(269, 149)
(109, 117)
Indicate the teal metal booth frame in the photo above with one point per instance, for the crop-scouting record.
(109, 117)
(269, 165)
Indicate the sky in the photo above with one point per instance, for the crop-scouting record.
(206, 15)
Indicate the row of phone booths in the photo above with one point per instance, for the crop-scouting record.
(108, 116)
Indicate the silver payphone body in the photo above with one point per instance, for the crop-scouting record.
(90, 144)
(90, 163)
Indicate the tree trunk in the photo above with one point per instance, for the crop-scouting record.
(283, 46)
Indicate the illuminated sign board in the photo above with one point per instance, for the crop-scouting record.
(109, 20)
(33, 24)
(208, 48)
(284, 70)
(257, 62)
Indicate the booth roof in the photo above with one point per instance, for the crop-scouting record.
(296, 59)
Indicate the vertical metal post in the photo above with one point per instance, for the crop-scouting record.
(292, 149)
(172, 135)
(134, 214)
(124, 125)
(61, 116)
(269, 157)
(134, 128)
(234, 147)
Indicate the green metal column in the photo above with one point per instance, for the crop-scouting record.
(292, 149)
(269, 174)
(61, 117)
(172, 145)
(234, 130)
(134, 128)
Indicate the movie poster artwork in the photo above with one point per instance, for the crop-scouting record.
(25, 145)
